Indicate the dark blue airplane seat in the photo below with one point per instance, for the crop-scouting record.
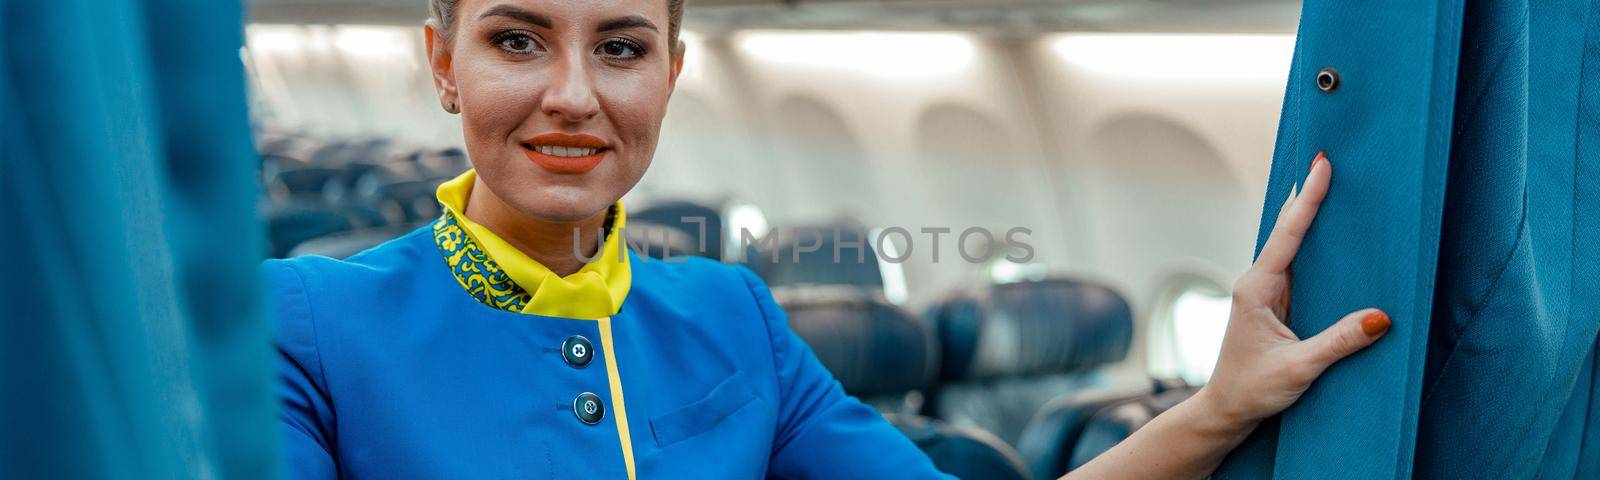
(344, 244)
(302, 183)
(704, 225)
(775, 261)
(409, 201)
(342, 187)
(367, 185)
(884, 355)
(279, 144)
(372, 150)
(1112, 423)
(658, 241)
(872, 346)
(271, 164)
(410, 155)
(290, 224)
(969, 453)
(330, 154)
(1058, 430)
(1011, 348)
(447, 162)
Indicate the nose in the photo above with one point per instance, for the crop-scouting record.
(570, 96)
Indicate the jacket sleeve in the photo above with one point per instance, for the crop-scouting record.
(821, 431)
(305, 420)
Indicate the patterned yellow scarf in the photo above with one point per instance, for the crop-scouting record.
(500, 276)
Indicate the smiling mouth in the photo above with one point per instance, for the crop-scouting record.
(566, 154)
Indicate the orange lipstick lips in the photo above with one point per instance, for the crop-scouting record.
(566, 154)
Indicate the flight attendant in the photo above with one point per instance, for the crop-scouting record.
(486, 346)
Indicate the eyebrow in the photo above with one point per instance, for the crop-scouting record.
(518, 14)
(630, 21)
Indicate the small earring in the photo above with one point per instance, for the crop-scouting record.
(450, 107)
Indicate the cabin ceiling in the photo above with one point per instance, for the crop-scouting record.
(998, 17)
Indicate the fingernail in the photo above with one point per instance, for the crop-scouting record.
(1321, 157)
(1375, 323)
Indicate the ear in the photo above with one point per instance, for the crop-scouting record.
(677, 66)
(444, 77)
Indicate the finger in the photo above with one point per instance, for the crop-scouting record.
(1292, 225)
(1288, 201)
(1351, 334)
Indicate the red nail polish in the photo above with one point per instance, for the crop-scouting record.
(1321, 157)
(1375, 323)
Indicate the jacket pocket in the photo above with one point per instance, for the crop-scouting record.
(704, 414)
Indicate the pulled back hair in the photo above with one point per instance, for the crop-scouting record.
(444, 12)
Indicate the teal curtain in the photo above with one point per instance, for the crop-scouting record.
(133, 342)
(1465, 139)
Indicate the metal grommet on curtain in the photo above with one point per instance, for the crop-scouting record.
(1328, 79)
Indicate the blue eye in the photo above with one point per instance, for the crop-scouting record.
(515, 42)
(620, 49)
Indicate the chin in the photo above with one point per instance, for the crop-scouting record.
(564, 204)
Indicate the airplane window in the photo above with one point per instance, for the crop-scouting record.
(1188, 326)
(1006, 271)
(894, 275)
(1198, 322)
(743, 218)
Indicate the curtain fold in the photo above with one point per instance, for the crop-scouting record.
(133, 344)
(1464, 203)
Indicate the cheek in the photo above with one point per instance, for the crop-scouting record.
(495, 99)
(636, 104)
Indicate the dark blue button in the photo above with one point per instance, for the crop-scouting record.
(577, 351)
(588, 408)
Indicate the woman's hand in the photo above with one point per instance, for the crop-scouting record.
(1264, 367)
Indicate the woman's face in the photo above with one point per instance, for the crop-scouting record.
(561, 101)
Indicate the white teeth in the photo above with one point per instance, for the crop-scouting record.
(566, 151)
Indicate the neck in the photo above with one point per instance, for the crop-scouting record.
(549, 243)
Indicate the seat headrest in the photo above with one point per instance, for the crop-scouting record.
(344, 244)
(671, 214)
(1031, 328)
(659, 241)
(306, 182)
(871, 346)
(855, 264)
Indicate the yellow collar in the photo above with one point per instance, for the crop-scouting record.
(500, 276)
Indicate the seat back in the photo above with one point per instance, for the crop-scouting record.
(1053, 436)
(807, 256)
(871, 346)
(303, 182)
(409, 201)
(963, 451)
(1009, 349)
(289, 225)
(344, 244)
(700, 223)
(1113, 423)
(885, 355)
(655, 240)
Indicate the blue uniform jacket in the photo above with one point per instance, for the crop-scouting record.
(391, 370)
